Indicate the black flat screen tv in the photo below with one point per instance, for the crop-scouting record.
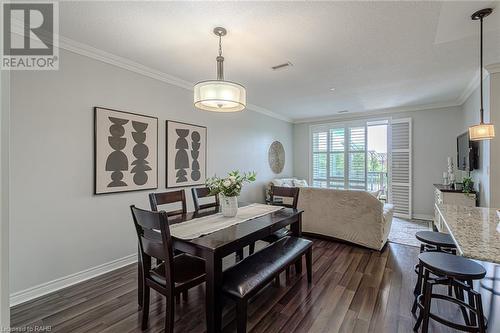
(467, 153)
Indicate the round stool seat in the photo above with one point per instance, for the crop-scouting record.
(452, 266)
(436, 238)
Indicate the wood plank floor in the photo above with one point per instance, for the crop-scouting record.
(353, 290)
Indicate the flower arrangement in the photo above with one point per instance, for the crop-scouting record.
(231, 185)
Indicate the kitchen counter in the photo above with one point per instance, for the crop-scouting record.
(476, 230)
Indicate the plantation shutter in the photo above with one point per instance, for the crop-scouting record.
(320, 158)
(357, 158)
(337, 159)
(401, 167)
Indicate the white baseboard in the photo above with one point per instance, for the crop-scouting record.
(66, 281)
(423, 217)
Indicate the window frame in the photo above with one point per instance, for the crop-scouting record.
(346, 125)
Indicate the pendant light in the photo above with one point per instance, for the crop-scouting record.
(482, 131)
(219, 95)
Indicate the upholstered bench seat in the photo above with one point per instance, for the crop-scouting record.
(247, 277)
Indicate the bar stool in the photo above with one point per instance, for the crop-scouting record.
(458, 272)
(436, 241)
(431, 241)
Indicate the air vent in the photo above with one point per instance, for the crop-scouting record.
(282, 66)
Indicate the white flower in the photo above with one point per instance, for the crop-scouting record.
(238, 185)
(232, 179)
(226, 183)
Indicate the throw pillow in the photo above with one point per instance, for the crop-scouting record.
(300, 183)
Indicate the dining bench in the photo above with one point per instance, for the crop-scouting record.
(247, 277)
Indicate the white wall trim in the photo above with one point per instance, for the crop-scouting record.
(375, 113)
(493, 68)
(69, 280)
(5, 149)
(124, 63)
(425, 217)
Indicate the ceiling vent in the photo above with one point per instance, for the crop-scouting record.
(282, 66)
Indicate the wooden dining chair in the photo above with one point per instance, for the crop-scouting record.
(282, 192)
(165, 198)
(285, 192)
(203, 192)
(176, 273)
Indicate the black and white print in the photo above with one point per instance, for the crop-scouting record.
(126, 151)
(186, 154)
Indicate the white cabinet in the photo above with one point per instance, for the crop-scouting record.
(448, 196)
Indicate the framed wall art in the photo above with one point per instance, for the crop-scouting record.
(186, 154)
(125, 151)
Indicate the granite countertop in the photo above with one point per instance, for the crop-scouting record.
(476, 231)
(449, 188)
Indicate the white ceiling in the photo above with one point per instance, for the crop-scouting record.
(377, 55)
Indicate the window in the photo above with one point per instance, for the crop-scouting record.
(350, 156)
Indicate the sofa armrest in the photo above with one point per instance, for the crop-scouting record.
(387, 221)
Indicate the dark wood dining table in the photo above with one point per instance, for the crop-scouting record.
(219, 244)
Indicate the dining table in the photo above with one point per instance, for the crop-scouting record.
(215, 246)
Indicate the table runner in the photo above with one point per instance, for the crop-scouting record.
(208, 224)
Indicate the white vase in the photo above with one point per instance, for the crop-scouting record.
(229, 206)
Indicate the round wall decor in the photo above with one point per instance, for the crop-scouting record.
(276, 156)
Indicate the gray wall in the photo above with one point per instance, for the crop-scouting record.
(470, 111)
(58, 226)
(434, 138)
(494, 105)
(4, 198)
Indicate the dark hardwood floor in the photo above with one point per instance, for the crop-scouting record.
(353, 290)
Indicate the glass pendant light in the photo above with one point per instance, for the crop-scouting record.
(219, 95)
(482, 131)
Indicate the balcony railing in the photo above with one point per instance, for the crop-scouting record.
(376, 181)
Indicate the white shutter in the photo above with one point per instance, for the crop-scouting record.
(320, 158)
(401, 167)
(357, 158)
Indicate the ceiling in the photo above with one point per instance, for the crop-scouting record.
(377, 55)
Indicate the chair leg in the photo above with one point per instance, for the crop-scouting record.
(309, 265)
(460, 295)
(298, 266)
(421, 313)
(140, 286)
(241, 316)
(145, 307)
(418, 288)
(427, 304)
(169, 314)
(251, 248)
(479, 307)
(471, 299)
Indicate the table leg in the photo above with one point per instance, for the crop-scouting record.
(296, 227)
(213, 289)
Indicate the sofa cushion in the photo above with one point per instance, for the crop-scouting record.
(300, 183)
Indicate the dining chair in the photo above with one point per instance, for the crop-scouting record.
(282, 192)
(203, 192)
(165, 198)
(176, 273)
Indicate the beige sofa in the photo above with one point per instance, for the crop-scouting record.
(354, 216)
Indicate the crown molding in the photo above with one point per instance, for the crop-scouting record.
(124, 63)
(493, 68)
(377, 112)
